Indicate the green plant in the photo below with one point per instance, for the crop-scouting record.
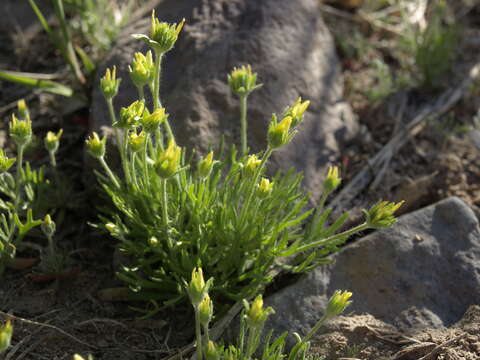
(434, 47)
(27, 192)
(93, 26)
(171, 215)
(252, 323)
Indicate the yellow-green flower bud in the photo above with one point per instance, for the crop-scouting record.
(5, 162)
(338, 303)
(151, 122)
(205, 311)
(251, 165)
(6, 332)
(211, 352)
(205, 166)
(23, 113)
(48, 226)
(332, 181)
(111, 228)
(153, 241)
(137, 141)
(242, 81)
(168, 161)
(20, 131)
(256, 315)
(109, 84)
(381, 215)
(296, 111)
(197, 289)
(265, 187)
(142, 69)
(130, 116)
(96, 146)
(279, 133)
(162, 35)
(52, 140)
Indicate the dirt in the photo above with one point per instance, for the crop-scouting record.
(54, 319)
(364, 337)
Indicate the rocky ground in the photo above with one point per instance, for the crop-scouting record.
(416, 286)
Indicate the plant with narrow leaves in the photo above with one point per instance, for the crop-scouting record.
(171, 215)
(25, 193)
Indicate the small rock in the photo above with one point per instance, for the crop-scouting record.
(395, 277)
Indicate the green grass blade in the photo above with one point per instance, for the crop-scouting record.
(86, 60)
(42, 84)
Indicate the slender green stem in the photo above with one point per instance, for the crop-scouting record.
(124, 157)
(67, 42)
(156, 96)
(243, 123)
(18, 188)
(146, 179)
(252, 335)
(165, 210)
(156, 81)
(113, 118)
(318, 213)
(133, 172)
(329, 239)
(207, 334)
(198, 334)
(141, 93)
(109, 172)
(315, 328)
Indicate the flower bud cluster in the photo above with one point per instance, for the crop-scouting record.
(20, 131)
(168, 161)
(142, 69)
(242, 81)
(382, 214)
(109, 84)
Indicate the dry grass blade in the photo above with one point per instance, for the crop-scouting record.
(13, 317)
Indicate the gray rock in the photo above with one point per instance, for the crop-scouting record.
(287, 44)
(422, 272)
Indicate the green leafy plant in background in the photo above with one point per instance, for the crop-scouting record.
(93, 25)
(434, 47)
(25, 193)
(171, 214)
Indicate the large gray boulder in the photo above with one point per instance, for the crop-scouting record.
(422, 272)
(287, 44)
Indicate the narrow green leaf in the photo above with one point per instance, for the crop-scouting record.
(44, 85)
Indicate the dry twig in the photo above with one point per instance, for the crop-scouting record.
(432, 110)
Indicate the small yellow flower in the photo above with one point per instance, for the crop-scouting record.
(205, 166)
(6, 332)
(279, 133)
(142, 69)
(52, 140)
(256, 315)
(137, 141)
(163, 36)
(130, 116)
(296, 111)
(20, 130)
(168, 161)
(251, 165)
(211, 352)
(242, 81)
(332, 181)
(265, 187)
(205, 310)
(23, 113)
(338, 303)
(109, 83)
(197, 289)
(382, 214)
(96, 146)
